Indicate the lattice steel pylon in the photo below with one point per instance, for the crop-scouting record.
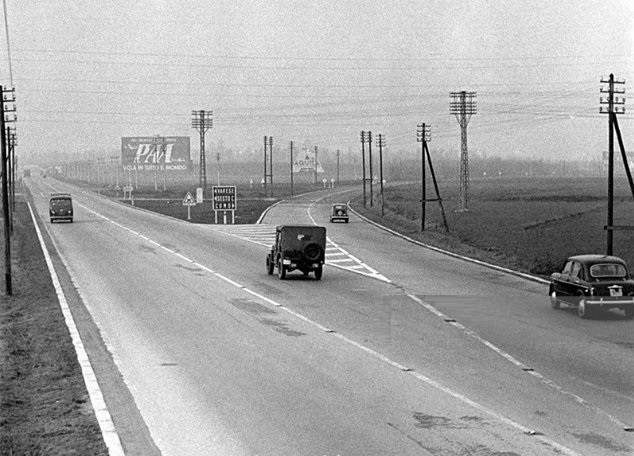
(202, 121)
(463, 106)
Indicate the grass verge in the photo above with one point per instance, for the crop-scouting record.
(45, 409)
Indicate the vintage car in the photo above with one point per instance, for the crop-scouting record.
(61, 207)
(339, 212)
(300, 247)
(591, 283)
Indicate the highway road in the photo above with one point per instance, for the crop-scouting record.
(398, 350)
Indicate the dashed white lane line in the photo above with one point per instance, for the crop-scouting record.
(108, 431)
(507, 356)
(427, 380)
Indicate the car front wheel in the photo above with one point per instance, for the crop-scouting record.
(270, 266)
(629, 312)
(583, 309)
(554, 301)
(319, 272)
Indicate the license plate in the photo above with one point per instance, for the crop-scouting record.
(616, 291)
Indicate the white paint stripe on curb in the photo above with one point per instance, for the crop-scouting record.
(108, 431)
(452, 254)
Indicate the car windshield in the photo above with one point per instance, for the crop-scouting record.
(607, 270)
(60, 203)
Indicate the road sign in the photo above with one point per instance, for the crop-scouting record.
(199, 195)
(224, 199)
(189, 200)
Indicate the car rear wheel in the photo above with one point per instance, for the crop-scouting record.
(629, 312)
(270, 266)
(281, 270)
(554, 301)
(318, 272)
(583, 309)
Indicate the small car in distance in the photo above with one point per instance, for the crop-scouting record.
(339, 212)
(60, 207)
(300, 247)
(591, 283)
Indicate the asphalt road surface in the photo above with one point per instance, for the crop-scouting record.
(398, 350)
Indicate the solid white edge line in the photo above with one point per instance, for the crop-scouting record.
(102, 415)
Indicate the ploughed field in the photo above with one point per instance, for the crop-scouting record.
(531, 224)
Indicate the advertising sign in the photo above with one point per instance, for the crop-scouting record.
(307, 164)
(149, 152)
(224, 197)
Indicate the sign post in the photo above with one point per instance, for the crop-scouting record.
(189, 201)
(224, 199)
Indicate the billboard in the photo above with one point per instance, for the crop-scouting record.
(146, 152)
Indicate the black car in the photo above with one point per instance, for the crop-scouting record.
(61, 207)
(591, 283)
(300, 247)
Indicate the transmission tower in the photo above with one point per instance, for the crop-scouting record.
(202, 121)
(463, 106)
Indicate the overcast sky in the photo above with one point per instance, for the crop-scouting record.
(88, 72)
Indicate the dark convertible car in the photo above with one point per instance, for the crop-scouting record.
(591, 283)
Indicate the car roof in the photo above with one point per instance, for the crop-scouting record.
(594, 258)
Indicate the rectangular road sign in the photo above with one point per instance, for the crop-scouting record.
(224, 197)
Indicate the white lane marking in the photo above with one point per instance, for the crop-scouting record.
(108, 431)
(545, 380)
(373, 353)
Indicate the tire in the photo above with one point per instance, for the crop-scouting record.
(554, 301)
(312, 252)
(281, 270)
(583, 310)
(270, 266)
(629, 312)
(319, 272)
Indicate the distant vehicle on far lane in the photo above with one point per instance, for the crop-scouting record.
(61, 207)
(591, 283)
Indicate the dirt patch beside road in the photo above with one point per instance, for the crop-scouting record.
(45, 409)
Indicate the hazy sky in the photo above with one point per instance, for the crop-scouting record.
(88, 72)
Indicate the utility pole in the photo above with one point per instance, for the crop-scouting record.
(202, 121)
(291, 168)
(14, 164)
(268, 142)
(363, 140)
(463, 105)
(315, 180)
(381, 143)
(338, 152)
(371, 175)
(614, 106)
(5, 190)
(423, 136)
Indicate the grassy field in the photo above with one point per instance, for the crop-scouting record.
(531, 224)
(44, 408)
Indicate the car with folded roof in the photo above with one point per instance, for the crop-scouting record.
(297, 247)
(593, 283)
(339, 212)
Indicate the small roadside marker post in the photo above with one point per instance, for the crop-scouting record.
(189, 201)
